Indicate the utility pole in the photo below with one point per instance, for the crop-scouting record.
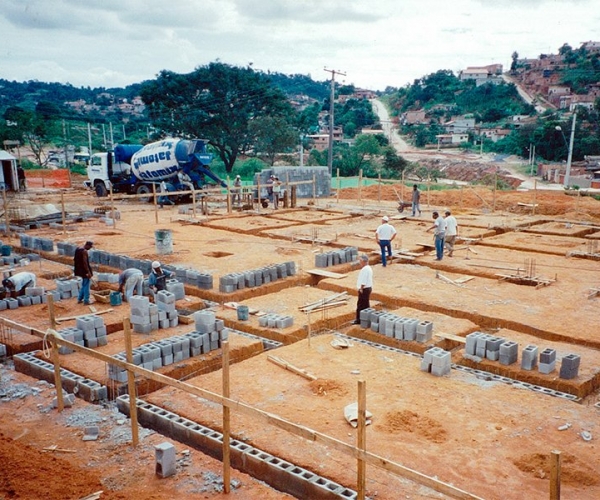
(331, 99)
(90, 139)
(570, 157)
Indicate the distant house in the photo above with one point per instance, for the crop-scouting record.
(495, 134)
(448, 139)
(320, 141)
(482, 74)
(459, 125)
(414, 117)
(582, 101)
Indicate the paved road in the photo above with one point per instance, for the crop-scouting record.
(389, 129)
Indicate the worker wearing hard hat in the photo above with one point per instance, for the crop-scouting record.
(15, 285)
(157, 280)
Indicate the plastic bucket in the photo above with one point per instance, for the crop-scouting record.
(242, 313)
(115, 298)
(164, 241)
(5, 250)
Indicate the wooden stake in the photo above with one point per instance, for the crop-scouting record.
(314, 189)
(60, 403)
(361, 440)
(360, 176)
(131, 384)
(534, 196)
(155, 200)
(226, 420)
(62, 204)
(7, 221)
(555, 475)
(229, 204)
(379, 188)
(112, 208)
(50, 302)
(339, 185)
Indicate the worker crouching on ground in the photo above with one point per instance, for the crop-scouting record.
(131, 281)
(157, 280)
(15, 285)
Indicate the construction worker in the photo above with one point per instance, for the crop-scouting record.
(15, 285)
(131, 280)
(157, 280)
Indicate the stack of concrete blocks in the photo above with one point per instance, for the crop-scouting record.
(509, 352)
(278, 321)
(176, 288)
(72, 334)
(201, 280)
(143, 317)
(208, 334)
(436, 361)
(398, 327)
(547, 362)
(68, 288)
(36, 243)
(11, 260)
(569, 367)
(229, 283)
(336, 257)
(492, 347)
(529, 357)
(94, 331)
(68, 249)
(165, 301)
(107, 277)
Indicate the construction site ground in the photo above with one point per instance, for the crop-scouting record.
(526, 271)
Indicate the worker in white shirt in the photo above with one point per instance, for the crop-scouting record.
(451, 232)
(364, 285)
(385, 234)
(15, 285)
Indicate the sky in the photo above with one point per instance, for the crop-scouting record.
(372, 44)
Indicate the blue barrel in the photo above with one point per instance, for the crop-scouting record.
(115, 298)
(242, 313)
(5, 250)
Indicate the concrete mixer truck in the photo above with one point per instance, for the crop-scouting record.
(133, 168)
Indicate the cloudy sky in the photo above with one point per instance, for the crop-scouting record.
(376, 43)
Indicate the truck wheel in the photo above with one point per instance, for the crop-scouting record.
(144, 189)
(101, 191)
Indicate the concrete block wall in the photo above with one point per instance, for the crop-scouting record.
(22, 301)
(398, 327)
(83, 388)
(506, 352)
(278, 473)
(36, 243)
(68, 287)
(298, 174)
(153, 355)
(336, 257)
(229, 283)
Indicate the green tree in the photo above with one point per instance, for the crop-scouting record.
(273, 135)
(218, 102)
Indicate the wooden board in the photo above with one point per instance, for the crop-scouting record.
(426, 245)
(451, 336)
(326, 274)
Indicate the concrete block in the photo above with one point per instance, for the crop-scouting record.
(165, 456)
(529, 357)
(509, 353)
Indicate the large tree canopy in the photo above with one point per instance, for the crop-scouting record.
(217, 102)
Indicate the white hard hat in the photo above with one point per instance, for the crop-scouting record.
(385, 218)
(155, 264)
